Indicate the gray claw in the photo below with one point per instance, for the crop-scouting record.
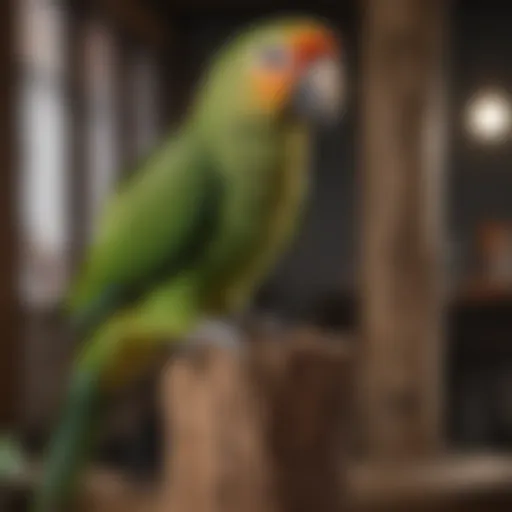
(218, 334)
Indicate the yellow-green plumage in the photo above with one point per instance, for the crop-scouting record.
(192, 233)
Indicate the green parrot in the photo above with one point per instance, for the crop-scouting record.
(194, 231)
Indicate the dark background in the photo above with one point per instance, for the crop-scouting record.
(478, 179)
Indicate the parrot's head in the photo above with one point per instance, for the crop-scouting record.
(286, 66)
(297, 67)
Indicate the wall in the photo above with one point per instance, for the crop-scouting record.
(480, 178)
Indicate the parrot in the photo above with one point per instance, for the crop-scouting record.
(193, 231)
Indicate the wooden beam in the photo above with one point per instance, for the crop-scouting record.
(401, 228)
(125, 98)
(10, 351)
(137, 19)
(78, 191)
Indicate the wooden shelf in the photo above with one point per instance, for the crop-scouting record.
(450, 480)
(482, 291)
(478, 479)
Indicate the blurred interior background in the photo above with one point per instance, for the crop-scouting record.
(96, 84)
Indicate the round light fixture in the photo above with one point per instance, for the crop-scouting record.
(489, 117)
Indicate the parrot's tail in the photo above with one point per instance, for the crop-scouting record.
(72, 445)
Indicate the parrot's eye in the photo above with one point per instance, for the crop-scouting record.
(274, 57)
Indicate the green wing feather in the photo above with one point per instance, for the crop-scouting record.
(154, 226)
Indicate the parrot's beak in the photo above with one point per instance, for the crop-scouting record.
(319, 91)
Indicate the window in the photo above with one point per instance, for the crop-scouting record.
(43, 150)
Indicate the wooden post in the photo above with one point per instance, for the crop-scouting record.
(125, 98)
(10, 353)
(401, 230)
(78, 199)
(258, 432)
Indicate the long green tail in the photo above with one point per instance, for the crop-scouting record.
(72, 444)
(120, 351)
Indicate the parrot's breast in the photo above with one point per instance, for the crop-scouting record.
(274, 229)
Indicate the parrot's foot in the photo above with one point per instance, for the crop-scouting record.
(218, 334)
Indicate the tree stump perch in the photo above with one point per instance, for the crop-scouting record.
(259, 431)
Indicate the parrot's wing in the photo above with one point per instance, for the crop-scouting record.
(157, 223)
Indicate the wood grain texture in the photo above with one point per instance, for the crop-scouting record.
(258, 432)
(401, 158)
(10, 320)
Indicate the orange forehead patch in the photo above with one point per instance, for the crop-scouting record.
(310, 43)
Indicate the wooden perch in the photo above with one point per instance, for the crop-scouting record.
(257, 431)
